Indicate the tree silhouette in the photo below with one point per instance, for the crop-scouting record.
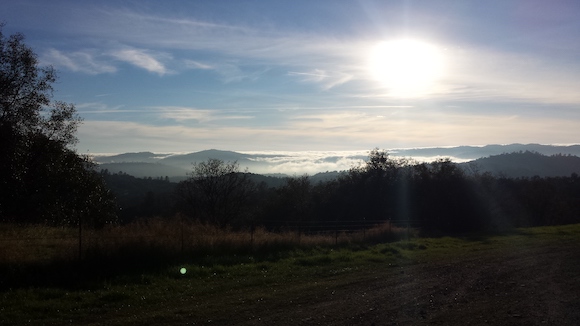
(216, 192)
(41, 178)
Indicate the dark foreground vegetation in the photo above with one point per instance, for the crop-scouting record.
(526, 277)
(438, 197)
(42, 179)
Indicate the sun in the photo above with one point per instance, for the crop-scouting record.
(408, 68)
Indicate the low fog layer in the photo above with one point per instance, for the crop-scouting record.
(312, 162)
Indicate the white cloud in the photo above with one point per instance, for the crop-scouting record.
(98, 107)
(142, 59)
(181, 114)
(79, 61)
(192, 64)
(228, 71)
(327, 79)
(474, 73)
(489, 75)
(328, 130)
(432, 128)
(87, 61)
(316, 75)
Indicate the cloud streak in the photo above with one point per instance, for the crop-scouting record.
(79, 61)
(182, 114)
(142, 59)
(326, 132)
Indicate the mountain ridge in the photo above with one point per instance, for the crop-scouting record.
(525, 164)
(177, 165)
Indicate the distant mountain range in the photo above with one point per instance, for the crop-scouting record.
(525, 164)
(475, 152)
(513, 160)
(145, 164)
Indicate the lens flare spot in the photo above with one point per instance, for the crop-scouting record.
(183, 270)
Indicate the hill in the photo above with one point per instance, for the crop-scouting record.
(525, 164)
(144, 170)
(476, 152)
(488, 158)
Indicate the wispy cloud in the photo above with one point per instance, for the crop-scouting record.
(90, 62)
(323, 130)
(98, 107)
(432, 128)
(491, 75)
(142, 59)
(229, 71)
(181, 114)
(192, 64)
(316, 75)
(79, 61)
(327, 79)
(228, 40)
(473, 73)
(105, 136)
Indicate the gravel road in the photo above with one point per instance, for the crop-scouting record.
(528, 285)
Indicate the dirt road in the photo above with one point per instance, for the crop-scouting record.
(527, 285)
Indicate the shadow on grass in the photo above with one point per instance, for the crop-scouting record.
(129, 264)
(85, 273)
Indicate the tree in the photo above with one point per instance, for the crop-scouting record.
(372, 184)
(216, 192)
(293, 201)
(42, 179)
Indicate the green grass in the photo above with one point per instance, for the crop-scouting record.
(213, 284)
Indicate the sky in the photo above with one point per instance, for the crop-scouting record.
(184, 76)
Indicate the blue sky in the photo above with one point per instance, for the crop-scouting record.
(183, 76)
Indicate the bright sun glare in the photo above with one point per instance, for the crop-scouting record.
(408, 68)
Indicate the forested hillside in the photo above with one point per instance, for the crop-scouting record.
(436, 197)
(526, 164)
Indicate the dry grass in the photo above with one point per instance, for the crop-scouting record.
(411, 279)
(36, 243)
(169, 238)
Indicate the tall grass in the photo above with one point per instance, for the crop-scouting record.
(44, 256)
(167, 239)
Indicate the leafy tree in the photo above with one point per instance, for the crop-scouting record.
(216, 192)
(140, 197)
(373, 185)
(41, 178)
(292, 202)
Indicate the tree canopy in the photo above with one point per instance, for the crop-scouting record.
(42, 178)
(216, 192)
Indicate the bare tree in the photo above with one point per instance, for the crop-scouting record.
(216, 192)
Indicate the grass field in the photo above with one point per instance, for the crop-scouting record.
(423, 280)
